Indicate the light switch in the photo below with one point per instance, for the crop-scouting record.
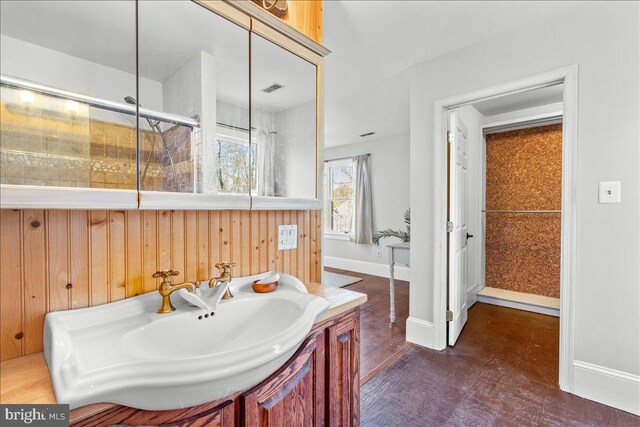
(610, 192)
(287, 237)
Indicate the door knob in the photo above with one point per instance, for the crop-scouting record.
(469, 236)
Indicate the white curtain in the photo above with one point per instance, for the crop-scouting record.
(267, 176)
(362, 226)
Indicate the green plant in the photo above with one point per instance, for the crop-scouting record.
(405, 236)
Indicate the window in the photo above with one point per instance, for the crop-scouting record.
(233, 156)
(338, 193)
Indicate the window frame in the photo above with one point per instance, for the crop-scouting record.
(328, 165)
(236, 136)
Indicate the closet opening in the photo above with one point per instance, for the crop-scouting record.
(509, 222)
(521, 219)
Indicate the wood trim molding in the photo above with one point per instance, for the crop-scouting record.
(227, 11)
(264, 17)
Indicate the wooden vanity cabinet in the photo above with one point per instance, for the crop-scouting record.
(294, 395)
(343, 372)
(318, 386)
(214, 414)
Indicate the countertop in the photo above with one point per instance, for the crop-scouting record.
(26, 379)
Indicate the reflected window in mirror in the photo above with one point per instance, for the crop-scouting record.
(233, 152)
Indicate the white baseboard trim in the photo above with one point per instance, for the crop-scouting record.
(608, 386)
(420, 332)
(472, 295)
(373, 268)
(520, 301)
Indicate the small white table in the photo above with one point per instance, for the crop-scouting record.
(398, 254)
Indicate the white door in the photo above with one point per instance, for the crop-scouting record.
(458, 254)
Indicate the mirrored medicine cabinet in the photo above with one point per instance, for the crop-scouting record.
(180, 108)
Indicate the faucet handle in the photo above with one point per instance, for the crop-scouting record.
(225, 266)
(165, 274)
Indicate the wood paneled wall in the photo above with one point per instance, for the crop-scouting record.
(306, 17)
(58, 260)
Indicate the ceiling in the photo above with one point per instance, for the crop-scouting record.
(520, 101)
(373, 43)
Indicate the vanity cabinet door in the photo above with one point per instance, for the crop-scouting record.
(343, 388)
(223, 416)
(294, 395)
(209, 414)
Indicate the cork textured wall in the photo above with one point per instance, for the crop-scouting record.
(524, 173)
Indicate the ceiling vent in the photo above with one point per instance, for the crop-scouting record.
(367, 134)
(272, 88)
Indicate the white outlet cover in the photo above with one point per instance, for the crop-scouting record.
(287, 237)
(610, 192)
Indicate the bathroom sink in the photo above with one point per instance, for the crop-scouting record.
(126, 353)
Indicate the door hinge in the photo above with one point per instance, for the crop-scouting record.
(450, 137)
(449, 315)
(449, 226)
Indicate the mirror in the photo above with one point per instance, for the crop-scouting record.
(80, 109)
(194, 99)
(283, 122)
(66, 67)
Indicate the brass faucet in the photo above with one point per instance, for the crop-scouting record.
(166, 289)
(225, 277)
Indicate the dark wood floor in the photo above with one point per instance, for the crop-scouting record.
(503, 371)
(381, 342)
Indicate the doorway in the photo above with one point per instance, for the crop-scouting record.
(450, 298)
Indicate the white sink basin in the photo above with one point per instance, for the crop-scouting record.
(125, 353)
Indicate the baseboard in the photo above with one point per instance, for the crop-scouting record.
(420, 332)
(472, 295)
(520, 301)
(373, 268)
(608, 386)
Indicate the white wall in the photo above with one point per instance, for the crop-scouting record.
(603, 39)
(297, 133)
(390, 197)
(191, 91)
(59, 70)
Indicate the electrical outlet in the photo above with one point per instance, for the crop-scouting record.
(379, 253)
(287, 237)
